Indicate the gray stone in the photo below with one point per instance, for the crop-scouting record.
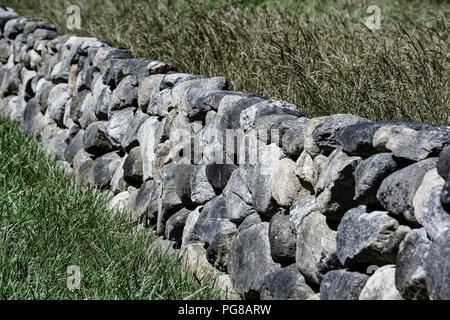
(88, 111)
(410, 275)
(411, 144)
(309, 144)
(153, 206)
(132, 167)
(397, 191)
(285, 284)
(238, 198)
(201, 190)
(57, 99)
(445, 196)
(300, 208)
(250, 260)
(219, 249)
(29, 116)
(316, 246)
(250, 115)
(335, 187)
(368, 238)
(219, 174)
(342, 285)
(169, 202)
(103, 169)
(443, 164)
(95, 140)
(82, 164)
(249, 221)
(293, 139)
(175, 225)
(381, 285)
(119, 125)
(125, 95)
(75, 105)
(212, 220)
(357, 139)
(183, 174)
(75, 145)
(282, 240)
(120, 202)
(370, 173)
(325, 133)
(438, 269)
(130, 139)
(149, 136)
(305, 171)
(284, 183)
(143, 198)
(427, 205)
(189, 236)
(146, 87)
(118, 183)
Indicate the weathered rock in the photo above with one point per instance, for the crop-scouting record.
(368, 238)
(189, 236)
(88, 111)
(57, 99)
(82, 164)
(219, 174)
(146, 87)
(95, 140)
(397, 191)
(132, 167)
(169, 202)
(143, 198)
(336, 184)
(342, 285)
(195, 260)
(119, 125)
(75, 145)
(443, 164)
(29, 116)
(325, 133)
(438, 269)
(357, 139)
(149, 136)
(250, 115)
(125, 95)
(262, 198)
(219, 249)
(250, 260)
(175, 225)
(381, 285)
(285, 284)
(410, 274)
(130, 139)
(316, 246)
(103, 169)
(309, 144)
(445, 195)
(238, 198)
(293, 139)
(249, 221)
(370, 173)
(282, 240)
(212, 220)
(284, 184)
(304, 169)
(201, 190)
(120, 202)
(76, 105)
(118, 183)
(183, 174)
(411, 144)
(427, 205)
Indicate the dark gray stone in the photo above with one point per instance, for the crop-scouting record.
(249, 221)
(219, 174)
(397, 191)
(125, 95)
(103, 169)
(219, 249)
(238, 198)
(250, 260)
(282, 240)
(325, 134)
(76, 104)
(438, 268)
(342, 285)
(212, 220)
(285, 284)
(75, 145)
(335, 186)
(443, 164)
(118, 126)
(175, 225)
(410, 274)
(182, 174)
(29, 116)
(370, 173)
(368, 238)
(143, 198)
(445, 196)
(293, 139)
(357, 139)
(132, 168)
(95, 140)
(82, 164)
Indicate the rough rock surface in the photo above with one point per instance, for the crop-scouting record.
(282, 239)
(437, 268)
(342, 285)
(381, 285)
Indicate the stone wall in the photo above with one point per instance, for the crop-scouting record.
(277, 205)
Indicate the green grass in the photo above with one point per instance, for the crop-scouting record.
(316, 53)
(48, 223)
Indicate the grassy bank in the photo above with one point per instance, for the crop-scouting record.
(48, 223)
(317, 54)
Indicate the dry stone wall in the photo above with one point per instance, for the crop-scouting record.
(273, 204)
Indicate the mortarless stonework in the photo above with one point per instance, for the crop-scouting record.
(215, 171)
